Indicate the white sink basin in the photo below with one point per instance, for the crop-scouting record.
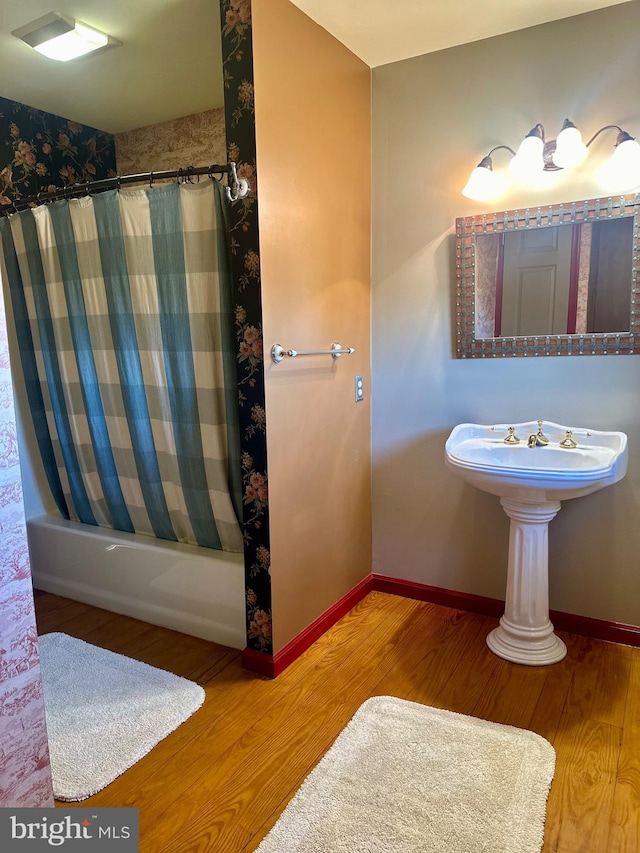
(531, 481)
(550, 473)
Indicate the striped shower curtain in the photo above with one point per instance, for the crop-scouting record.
(123, 313)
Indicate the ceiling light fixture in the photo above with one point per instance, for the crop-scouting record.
(537, 159)
(62, 38)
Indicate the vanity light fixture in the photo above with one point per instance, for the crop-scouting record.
(538, 159)
(62, 38)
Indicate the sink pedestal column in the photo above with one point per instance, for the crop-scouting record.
(525, 634)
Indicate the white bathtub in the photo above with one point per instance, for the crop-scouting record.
(194, 590)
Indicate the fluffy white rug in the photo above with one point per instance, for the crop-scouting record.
(104, 712)
(406, 778)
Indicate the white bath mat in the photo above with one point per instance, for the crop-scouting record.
(105, 712)
(406, 778)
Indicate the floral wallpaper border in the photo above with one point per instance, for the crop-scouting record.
(237, 60)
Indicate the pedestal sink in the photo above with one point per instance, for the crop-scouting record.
(532, 472)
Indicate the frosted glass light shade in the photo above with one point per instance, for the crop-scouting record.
(62, 38)
(529, 157)
(484, 184)
(71, 45)
(570, 149)
(621, 172)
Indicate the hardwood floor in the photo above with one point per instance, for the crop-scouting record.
(219, 782)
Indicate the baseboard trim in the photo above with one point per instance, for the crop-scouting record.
(438, 595)
(585, 626)
(272, 665)
(596, 629)
(258, 662)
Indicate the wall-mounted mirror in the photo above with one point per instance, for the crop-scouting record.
(160, 93)
(555, 280)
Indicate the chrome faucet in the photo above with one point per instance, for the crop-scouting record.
(538, 439)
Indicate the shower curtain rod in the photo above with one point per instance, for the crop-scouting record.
(238, 188)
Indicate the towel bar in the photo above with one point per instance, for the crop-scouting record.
(278, 352)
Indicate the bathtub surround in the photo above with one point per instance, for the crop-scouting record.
(144, 705)
(25, 776)
(198, 591)
(441, 783)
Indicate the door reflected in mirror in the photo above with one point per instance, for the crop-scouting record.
(562, 279)
(555, 280)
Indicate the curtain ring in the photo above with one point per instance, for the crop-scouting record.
(118, 183)
(150, 179)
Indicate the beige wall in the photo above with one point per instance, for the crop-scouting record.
(313, 136)
(194, 140)
(434, 117)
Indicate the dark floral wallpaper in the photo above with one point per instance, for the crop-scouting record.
(237, 60)
(40, 151)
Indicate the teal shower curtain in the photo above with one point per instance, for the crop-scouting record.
(124, 318)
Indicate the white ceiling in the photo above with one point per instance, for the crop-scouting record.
(169, 65)
(383, 31)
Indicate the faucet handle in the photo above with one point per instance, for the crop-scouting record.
(512, 438)
(568, 440)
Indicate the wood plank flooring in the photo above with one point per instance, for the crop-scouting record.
(219, 782)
